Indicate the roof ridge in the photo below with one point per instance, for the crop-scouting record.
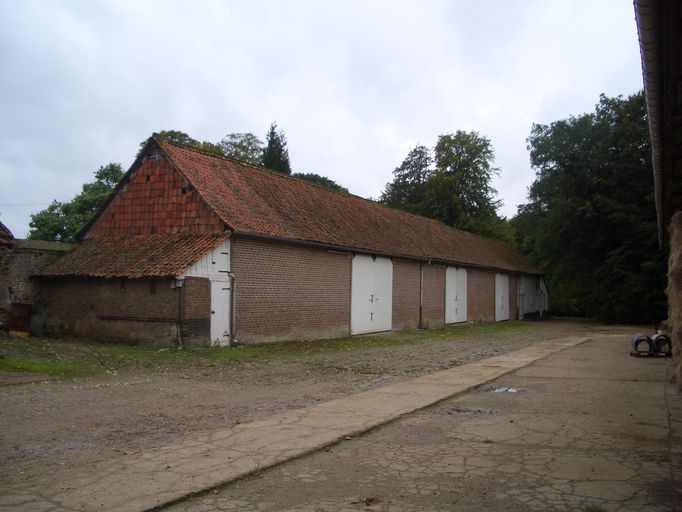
(260, 168)
(299, 180)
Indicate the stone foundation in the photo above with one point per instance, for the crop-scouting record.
(675, 294)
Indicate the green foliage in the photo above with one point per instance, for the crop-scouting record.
(452, 186)
(590, 223)
(66, 369)
(590, 507)
(276, 154)
(245, 147)
(407, 191)
(321, 181)
(70, 358)
(60, 222)
(182, 139)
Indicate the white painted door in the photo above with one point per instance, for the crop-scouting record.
(220, 313)
(455, 295)
(461, 295)
(501, 296)
(220, 295)
(371, 294)
(215, 266)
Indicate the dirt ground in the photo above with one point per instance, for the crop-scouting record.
(49, 424)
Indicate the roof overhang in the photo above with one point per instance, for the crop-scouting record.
(657, 27)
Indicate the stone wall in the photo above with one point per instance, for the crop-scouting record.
(17, 264)
(675, 293)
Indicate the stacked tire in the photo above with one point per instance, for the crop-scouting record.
(656, 345)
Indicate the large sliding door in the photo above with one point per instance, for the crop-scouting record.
(455, 295)
(371, 294)
(501, 296)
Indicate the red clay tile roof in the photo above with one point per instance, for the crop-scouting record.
(6, 236)
(252, 200)
(134, 256)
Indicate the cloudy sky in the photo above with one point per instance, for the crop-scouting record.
(354, 84)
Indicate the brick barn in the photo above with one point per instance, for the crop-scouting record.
(201, 249)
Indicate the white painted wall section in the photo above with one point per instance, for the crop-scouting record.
(501, 296)
(455, 295)
(215, 265)
(371, 294)
(532, 295)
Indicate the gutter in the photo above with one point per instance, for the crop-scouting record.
(369, 252)
(647, 18)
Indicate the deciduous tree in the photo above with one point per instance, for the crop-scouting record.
(453, 185)
(590, 222)
(245, 147)
(60, 222)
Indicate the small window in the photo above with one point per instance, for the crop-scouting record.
(152, 287)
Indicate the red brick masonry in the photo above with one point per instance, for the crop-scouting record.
(287, 292)
(125, 309)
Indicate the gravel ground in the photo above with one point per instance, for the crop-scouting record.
(50, 424)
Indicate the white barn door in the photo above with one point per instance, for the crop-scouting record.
(215, 266)
(455, 295)
(371, 294)
(220, 295)
(501, 297)
(220, 313)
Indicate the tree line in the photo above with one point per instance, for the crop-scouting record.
(589, 223)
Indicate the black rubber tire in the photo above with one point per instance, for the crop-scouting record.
(664, 347)
(647, 342)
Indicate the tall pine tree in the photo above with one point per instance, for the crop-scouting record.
(276, 154)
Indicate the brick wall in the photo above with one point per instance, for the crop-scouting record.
(196, 311)
(120, 309)
(480, 295)
(406, 294)
(16, 267)
(433, 305)
(287, 292)
(157, 199)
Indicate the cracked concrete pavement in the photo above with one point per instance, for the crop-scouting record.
(587, 424)
(152, 478)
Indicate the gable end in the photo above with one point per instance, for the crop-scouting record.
(154, 198)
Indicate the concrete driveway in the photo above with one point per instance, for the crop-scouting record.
(588, 425)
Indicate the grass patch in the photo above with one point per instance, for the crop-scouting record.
(475, 330)
(67, 369)
(592, 508)
(75, 358)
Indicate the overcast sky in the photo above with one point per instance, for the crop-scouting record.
(353, 84)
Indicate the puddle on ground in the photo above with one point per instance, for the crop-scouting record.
(466, 411)
(488, 388)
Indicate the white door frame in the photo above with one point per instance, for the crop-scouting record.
(501, 296)
(455, 295)
(371, 294)
(215, 266)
